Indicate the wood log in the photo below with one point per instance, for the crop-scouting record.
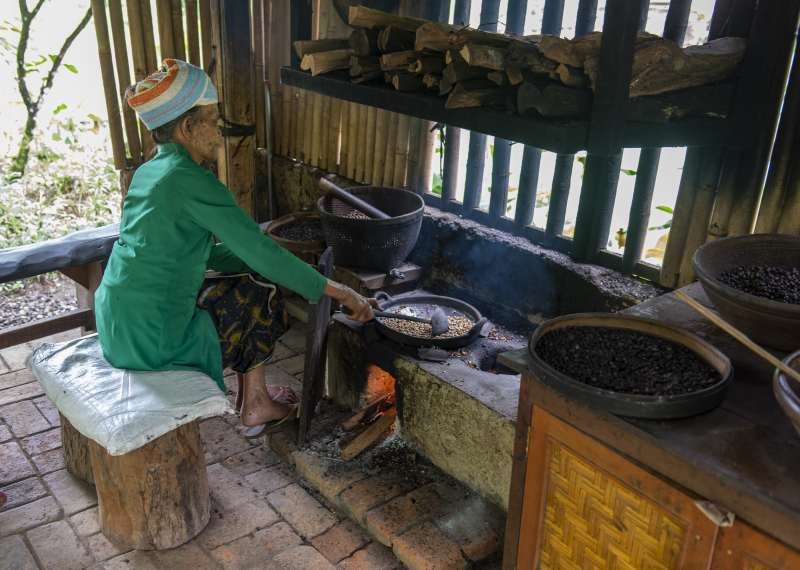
(484, 56)
(511, 104)
(361, 64)
(575, 51)
(702, 101)
(443, 37)
(399, 60)
(461, 71)
(662, 66)
(369, 76)
(478, 93)
(325, 61)
(428, 65)
(155, 497)
(305, 47)
(553, 100)
(364, 41)
(445, 87)
(394, 39)
(500, 78)
(75, 449)
(371, 19)
(432, 82)
(407, 82)
(572, 76)
(352, 445)
(514, 75)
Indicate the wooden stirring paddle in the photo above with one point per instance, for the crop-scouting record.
(737, 334)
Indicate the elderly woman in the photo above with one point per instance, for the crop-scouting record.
(156, 308)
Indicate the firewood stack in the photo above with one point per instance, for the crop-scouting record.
(553, 76)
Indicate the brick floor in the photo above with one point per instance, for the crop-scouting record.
(265, 513)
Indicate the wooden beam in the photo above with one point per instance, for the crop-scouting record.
(45, 327)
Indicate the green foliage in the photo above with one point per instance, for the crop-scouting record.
(437, 185)
(71, 68)
(628, 172)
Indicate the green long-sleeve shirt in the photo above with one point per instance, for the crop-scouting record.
(146, 313)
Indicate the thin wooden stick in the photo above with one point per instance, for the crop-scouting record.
(361, 157)
(391, 139)
(302, 118)
(379, 160)
(401, 152)
(316, 136)
(205, 32)
(369, 143)
(334, 132)
(192, 32)
(737, 334)
(345, 140)
(352, 143)
(327, 104)
(124, 78)
(165, 37)
(177, 30)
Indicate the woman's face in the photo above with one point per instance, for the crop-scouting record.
(204, 134)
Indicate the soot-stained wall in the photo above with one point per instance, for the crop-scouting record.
(506, 277)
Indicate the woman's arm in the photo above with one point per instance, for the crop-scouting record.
(222, 258)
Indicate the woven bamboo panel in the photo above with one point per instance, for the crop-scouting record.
(592, 521)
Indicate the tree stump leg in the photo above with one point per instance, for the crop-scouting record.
(75, 449)
(155, 497)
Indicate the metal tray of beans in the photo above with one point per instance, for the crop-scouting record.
(465, 320)
(604, 360)
(299, 225)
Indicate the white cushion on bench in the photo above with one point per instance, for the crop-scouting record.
(121, 409)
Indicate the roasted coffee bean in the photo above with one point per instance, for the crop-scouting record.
(301, 230)
(625, 361)
(773, 283)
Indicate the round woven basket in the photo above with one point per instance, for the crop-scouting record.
(372, 244)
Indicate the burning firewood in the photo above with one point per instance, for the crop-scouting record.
(366, 426)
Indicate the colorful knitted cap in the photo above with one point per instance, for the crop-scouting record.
(168, 93)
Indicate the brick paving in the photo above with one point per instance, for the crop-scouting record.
(271, 509)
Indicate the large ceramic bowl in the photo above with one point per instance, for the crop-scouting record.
(787, 390)
(770, 323)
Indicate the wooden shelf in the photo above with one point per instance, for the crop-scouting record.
(564, 136)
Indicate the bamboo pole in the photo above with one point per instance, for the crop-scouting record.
(334, 132)
(109, 84)
(259, 73)
(166, 42)
(205, 32)
(124, 78)
(401, 152)
(345, 139)
(302, 118)
(294, 148)
(726, 195)
(413, 153)
(315, 16)
(177, 30)
(316, 137)
(369, 143)
(148, 35)
(327, 105)
(218, 78)
(352, 142)
(427, 145)
(139, 64)
(391, 139)
(361, 157)
(192, 36)
(379, 154)
(789, 222)
(308, 135)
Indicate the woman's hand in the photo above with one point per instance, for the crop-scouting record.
(360, 307)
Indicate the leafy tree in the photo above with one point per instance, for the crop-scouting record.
(23, 69)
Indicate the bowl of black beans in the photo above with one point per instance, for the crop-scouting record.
(787, 390)
(630, 366)
(298, 232)
(754, 283)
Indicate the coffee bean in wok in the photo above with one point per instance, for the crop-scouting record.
(773, 283)
(300, 230)
(625, 361)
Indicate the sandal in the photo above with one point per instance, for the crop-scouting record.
(269, 427)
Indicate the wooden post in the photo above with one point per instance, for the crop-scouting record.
(288, 108)
(166, 40)
(303, 144)
(124, 77)
(155, 497)
(109, 84)
(206, 32)
(177, 30)
(401, 152)
(75, 449)
(192, 33)
(427, 144)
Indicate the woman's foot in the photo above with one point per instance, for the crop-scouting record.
(258, 406)
(239, 391)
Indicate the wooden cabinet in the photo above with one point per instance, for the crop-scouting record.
(742, 547)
